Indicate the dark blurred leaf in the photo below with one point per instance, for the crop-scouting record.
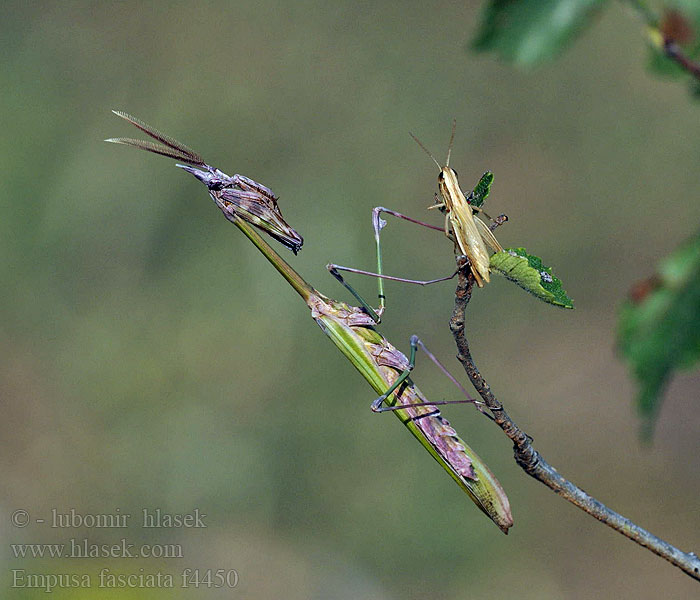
(659, 329)
(482, 189)
(528, 32)
(530, 274)
(676, 22)
(695, 89)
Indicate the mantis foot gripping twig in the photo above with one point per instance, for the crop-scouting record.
(416, 343)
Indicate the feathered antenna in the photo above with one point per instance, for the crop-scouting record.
(169, 147)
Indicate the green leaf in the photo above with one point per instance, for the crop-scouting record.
(528, 32)
(530, 274)
(695, 90)
(659, 328)
(662, 66)
(482, 189)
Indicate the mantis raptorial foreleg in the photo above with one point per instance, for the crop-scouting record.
(378, 224)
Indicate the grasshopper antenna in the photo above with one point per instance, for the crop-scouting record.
(452, 139)
(439, 166)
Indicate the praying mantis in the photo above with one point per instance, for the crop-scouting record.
(235, 196)
(350, 328)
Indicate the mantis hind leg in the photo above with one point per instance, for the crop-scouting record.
(416, 343)
(376, 315)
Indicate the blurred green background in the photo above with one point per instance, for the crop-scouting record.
(152, 359)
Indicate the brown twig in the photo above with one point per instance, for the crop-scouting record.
(667, 34)
(673, 51)
(535, 465)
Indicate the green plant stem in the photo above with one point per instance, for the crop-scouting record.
(536, 466)
(293, 278)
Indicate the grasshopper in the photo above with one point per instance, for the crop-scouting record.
(471, 234)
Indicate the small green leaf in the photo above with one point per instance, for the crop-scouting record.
(530, 274)
(659, 329)
(528, 32)
(482, 189)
